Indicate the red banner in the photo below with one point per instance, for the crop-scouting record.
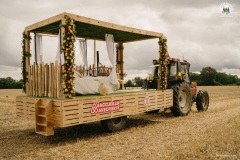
(104, 107)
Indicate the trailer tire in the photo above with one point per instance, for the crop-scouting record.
(114, 124)
(202, 100)
(182, 100)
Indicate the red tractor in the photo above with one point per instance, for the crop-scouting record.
(184, 91)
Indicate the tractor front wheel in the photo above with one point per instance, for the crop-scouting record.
(202, 100)
(182, 99)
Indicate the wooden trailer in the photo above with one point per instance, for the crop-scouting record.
(50, 100)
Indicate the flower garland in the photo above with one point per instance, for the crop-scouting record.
(24, 55)
(68, 50)
(163, 55)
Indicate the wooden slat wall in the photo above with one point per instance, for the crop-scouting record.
(45, 80)
(25, 107)
(69, 112)
(77, 111)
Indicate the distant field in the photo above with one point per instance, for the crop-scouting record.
(214, 134)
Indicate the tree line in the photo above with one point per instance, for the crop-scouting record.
(10, 83)
(208, 76)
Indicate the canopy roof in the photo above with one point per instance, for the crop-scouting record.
(93, 29)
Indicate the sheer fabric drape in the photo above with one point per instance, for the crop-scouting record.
(83, 52)
(112, 58)
(38, 47)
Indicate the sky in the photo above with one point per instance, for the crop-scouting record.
(196, 31)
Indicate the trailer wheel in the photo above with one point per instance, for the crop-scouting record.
(182, 99)
(202, 100)
(153, 112)
(114, 124)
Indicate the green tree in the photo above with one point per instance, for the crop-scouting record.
(138, 81)
(129, 83)
(10, 83)
(222, 78)
(207, 76)
(194, 76)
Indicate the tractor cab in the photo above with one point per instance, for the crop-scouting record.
(178, 71)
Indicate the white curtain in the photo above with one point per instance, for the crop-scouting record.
(112, 57)
(83, 52)
(38, 46)
(59, 56)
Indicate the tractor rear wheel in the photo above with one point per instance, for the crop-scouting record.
(202, 100)
(182, 99)
(114, 124)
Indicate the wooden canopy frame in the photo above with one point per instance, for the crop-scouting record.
(95, 30)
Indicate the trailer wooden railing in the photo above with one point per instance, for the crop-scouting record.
(45, 80)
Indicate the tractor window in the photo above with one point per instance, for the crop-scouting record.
(183, 68)
(185, 71)
(173, 69)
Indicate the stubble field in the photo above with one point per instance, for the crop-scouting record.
(214, 134)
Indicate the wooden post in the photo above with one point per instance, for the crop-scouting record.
(95, 58)
(53, 79)
(36, 79)
(59, 79)
(56, 78)
(50, 80)
(40, 79)
(27, 49)
(120, 63)
(47, 80)
(43, 80)
(33, 79)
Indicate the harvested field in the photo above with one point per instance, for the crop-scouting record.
(214, 134)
